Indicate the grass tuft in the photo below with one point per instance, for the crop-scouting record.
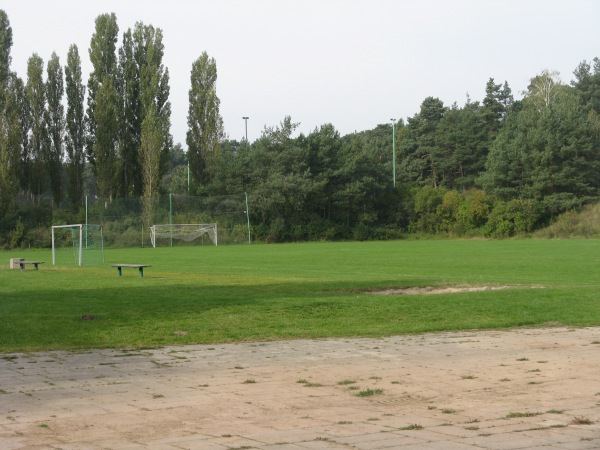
(412, 426)
(369, 392)
(581, 421)
(514, 414)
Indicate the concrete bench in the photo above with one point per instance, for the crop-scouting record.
(34, 263)
(140, 267)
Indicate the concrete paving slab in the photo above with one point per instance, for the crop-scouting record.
(457, 388)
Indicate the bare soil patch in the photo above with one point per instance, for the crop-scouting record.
(437, 290)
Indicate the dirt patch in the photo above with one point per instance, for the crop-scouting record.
(437, 290)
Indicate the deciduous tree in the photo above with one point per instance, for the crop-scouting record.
(10, 142)
(105, 146)
(205, 125)
(103, 56)
(75, 126)
(55, 125)
(143, 83)
(38, 136)
(151, 146)
(9, 119)
(544, 88)
(5, 47)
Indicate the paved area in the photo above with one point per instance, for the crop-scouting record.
(525, 388)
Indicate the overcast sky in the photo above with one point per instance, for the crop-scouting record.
(352, 63)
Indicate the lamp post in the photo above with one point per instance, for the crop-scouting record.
(246, 121)
(394, 150)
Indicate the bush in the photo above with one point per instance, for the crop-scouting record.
(516, 216)
(474, 210)
(427, 203)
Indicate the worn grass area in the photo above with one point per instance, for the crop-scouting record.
(316, 290)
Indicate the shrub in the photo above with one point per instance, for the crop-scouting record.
(516, 216)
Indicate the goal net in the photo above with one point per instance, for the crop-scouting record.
(188, 232)
(77, 244)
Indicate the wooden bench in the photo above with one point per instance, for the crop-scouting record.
(34, 263)
(140, 267)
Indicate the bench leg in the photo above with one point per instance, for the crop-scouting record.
(36, 266)
(119, 270)
(141, 272)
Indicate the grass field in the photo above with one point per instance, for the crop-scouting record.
(315, 290)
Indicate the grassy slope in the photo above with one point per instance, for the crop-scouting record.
(579, 224)
(259, 292)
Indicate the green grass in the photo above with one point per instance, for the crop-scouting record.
(287, 291)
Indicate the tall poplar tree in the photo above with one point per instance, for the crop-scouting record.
(55, 124)
(5, 47)
(143, 81)
(9, 119)
(38, 139)
(150, 150)
(10, 143)
(130, 121)
(75, 126)
(22, 106)
(103, 136)
(106, 162)
(205, 125)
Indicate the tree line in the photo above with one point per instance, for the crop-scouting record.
(495, 167)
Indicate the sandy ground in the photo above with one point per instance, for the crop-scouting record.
(524, 388)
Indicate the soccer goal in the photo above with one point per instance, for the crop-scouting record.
(182, 231)
(78, 244)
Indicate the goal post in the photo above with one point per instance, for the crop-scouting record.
(77, 244)
(183, 231)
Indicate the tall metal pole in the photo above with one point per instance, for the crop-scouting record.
(394, 150)
(171, 217)
(86, 222)
(246, 121)
(248, 217)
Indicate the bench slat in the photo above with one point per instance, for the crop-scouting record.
(131, 265)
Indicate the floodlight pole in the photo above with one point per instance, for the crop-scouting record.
(246, 121)
(394, 151)
(248, 217)
(171, 216)
(86, 221)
